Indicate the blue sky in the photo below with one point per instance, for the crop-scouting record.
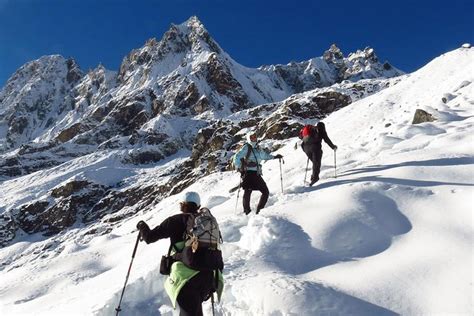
(406, 33)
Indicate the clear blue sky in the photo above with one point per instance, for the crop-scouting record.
(407, 33)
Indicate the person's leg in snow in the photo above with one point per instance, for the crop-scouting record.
(246, 201)
(262, 187)
(253, 181)
(193, 294)
(316, 159)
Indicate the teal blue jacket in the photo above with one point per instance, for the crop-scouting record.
(255, 157)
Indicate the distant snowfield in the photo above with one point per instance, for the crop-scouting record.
(392, 234)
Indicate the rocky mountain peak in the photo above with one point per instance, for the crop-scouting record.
(35, 96)
(333, 54)
(367, 53)
(45, 68)
(185, 39)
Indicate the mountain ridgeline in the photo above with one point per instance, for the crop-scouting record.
(181, 94)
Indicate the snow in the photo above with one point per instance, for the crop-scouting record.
(391, 234)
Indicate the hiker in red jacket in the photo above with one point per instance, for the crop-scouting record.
(312, 137)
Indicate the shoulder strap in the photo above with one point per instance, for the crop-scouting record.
(172, 247)
(189, 223)
(256, 159)
(249, 150)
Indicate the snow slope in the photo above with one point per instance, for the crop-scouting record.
(392, 234)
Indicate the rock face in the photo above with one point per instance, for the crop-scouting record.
(36, 97)
(50, 217)
(181, 93)
(421, 116)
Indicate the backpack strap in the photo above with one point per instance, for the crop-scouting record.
(246, 159)
(172, 247)
(189, 224)
(251, 150)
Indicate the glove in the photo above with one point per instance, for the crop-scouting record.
(141, 225)
(142, 228)
(278, 156)
(335, 147)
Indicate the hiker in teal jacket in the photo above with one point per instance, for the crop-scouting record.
(184, 285)
(247, 160)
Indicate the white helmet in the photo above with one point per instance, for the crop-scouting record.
(191, 196)
(249, 136)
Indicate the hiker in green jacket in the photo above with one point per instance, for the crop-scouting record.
(190, 288)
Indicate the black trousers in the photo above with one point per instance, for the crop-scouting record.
(253, 181)
(314, 153)
(194, 292)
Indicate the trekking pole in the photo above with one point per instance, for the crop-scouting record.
(306, 172)
(215, 287)
(118, 309)
(212, 302)
(281, 174)
(238, 191)
(335, 176)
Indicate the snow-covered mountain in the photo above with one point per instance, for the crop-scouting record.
(185, 74)
(181, 96)
(392, 234)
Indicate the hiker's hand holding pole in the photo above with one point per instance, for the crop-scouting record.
(143, 229)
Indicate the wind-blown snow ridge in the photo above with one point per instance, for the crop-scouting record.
(392, 234)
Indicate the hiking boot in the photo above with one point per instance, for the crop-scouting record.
(247, 212)
(258, 210)
(313, 181)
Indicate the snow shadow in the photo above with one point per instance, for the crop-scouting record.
(215, 200)
(419, 163)
(369, 230)
(322, 300)
(230, 228)
(300, 298)
(387, 180)
(385, 212)
(145, 296)
(284, 245)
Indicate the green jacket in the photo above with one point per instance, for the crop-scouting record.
(180, 274)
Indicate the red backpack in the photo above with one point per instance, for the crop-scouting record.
(307, 131)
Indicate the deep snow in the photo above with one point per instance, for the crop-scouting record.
(392, 234)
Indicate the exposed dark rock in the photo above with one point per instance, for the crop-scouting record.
(70, 132)
(136, 197)
(69, 188)
(50, 217)
(18, 125)
(74, 73)
(306, 110)
(144, 157)
(281, 129)
(28, 216)
(422, 116)
(221, 80)
(330, 101)
(333, 54)
(8, 229)
(185, 101)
